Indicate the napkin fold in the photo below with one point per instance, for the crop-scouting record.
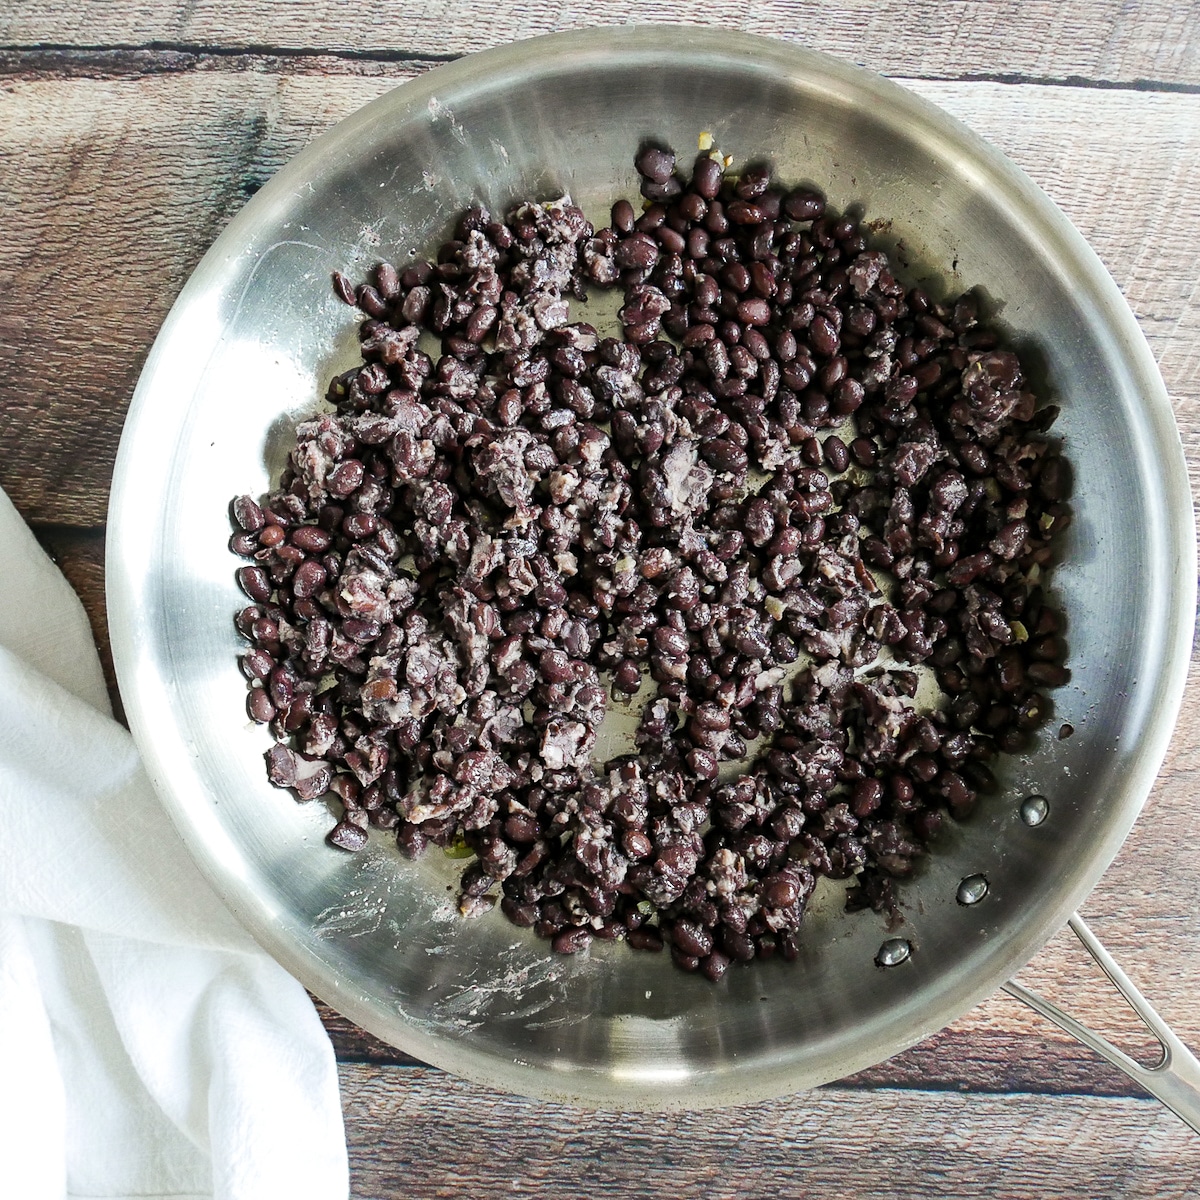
(148, 1047)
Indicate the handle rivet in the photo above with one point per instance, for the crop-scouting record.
(972, 889)
(1034, 810)
(893, 952)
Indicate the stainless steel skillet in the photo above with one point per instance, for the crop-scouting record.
(250, 345)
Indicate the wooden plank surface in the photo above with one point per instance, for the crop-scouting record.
(1090, 40)
(128, 138)
(409, 1131)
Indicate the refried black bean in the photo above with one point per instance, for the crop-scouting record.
(472, 557)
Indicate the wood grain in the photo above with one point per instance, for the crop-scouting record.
(1156, 40)
(113, 188)
(419, 1133)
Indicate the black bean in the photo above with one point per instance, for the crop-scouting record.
(725, 455)
(248, 514)
(646, 937)
(572, 941)
(743, 212)
(1054, 479)
(1049, 648)
(636, 252)
(804, 205)
(837, 454)
(271, 535)
(691, 938)
(706, 176)
(822, 336)
(347, 836)
(670, 240)
(755, 311)
(344, 289)
(627, 677)
(779, 891)
(254, 583)
(636, 844)
(703, 763)
(312, 539)
(1047, 674)
(345, 478)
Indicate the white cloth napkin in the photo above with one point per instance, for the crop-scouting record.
(148, 1047)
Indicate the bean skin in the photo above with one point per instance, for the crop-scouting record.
(254, 583)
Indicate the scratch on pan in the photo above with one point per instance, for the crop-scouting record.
(438, 110)
(414, 1021)
(514, 984)
(500, 150)
(352, 919)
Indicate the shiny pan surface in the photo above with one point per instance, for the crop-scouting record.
(250, 346)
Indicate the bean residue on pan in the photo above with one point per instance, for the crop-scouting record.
(790, 484)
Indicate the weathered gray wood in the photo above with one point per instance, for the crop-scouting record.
(76, 62)
(420, 1133)
(1089, 39)
(112, 189)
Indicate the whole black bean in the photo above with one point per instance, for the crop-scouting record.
(344, 288)
(755, 311)
(254, 583)
(345, 478)
(822, 336)
(360, 525)
(706, 176)
(836, 453)
(691, 938)
(637, 251)
(248, 514)
(311, 538)
(647, 937)
(703, 763)
(1047, 674)
(864, 452)
(670, 240)
(572, 941)
(259, 706)
(743, 212)
(804, 205)
(725, 455)
(627, 677)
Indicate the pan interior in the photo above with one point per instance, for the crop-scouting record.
(250, 346)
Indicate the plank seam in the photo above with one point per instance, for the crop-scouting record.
(250, 50)
(31, 52)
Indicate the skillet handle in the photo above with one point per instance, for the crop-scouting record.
(1175, 1079)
